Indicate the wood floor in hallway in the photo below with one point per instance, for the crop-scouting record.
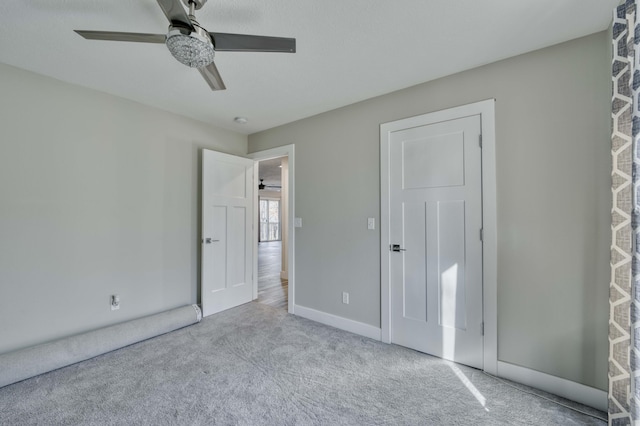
(272, 290)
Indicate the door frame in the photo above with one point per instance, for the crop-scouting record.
(282, 151)
(486, 110)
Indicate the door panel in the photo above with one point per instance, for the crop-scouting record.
(415, 294)
(451, 264)
(227, 251)
(433, 162)
(237, 263)
(217, 260)
(436, 216)
(228, 179)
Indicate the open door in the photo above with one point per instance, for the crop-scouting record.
(227, 220)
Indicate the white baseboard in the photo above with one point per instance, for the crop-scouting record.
(339, 322)
(577, 392)
(573, 391)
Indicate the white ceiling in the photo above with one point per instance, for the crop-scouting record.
(347, 51)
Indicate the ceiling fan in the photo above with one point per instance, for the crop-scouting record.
(192, 45)
(262, 186)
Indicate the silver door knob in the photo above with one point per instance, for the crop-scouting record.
(209, 240)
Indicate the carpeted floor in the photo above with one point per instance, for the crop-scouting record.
(256, 365)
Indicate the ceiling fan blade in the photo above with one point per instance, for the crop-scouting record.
(175, 13)
(212, 76)
(252, 43)
(116, 36)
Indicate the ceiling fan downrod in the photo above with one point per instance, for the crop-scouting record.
(197, 4)
(192, 10)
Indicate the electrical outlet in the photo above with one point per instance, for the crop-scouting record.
(345, 297)
(115, 302)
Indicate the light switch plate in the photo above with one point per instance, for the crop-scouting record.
(371, 223)
(115, 302)
(297, 222)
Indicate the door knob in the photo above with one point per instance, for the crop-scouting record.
(209, 240)
(396, 247)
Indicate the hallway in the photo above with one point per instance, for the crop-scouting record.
(272, 290)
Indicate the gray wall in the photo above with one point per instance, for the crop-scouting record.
(98, 195)
(553, 189)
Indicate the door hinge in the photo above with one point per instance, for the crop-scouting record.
(481, 234)
(480, 140)
(482, 328)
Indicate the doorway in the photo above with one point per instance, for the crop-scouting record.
(284, 248)
(272, 266)
(438, 234)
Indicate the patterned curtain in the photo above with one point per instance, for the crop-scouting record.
(624, 324)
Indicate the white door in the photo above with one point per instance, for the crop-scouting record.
(227, 220)
(435, 221)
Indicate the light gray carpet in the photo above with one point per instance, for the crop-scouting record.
(29, 362)
(256, 365)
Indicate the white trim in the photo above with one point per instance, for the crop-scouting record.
(486, 110)
(385, 237)
(289, 152)
(574, 391)
(342, 323)
(490, 236)
(256, 230)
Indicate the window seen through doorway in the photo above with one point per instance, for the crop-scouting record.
(269, 220)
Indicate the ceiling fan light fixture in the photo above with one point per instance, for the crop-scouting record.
(193, 45)
(191, 49)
